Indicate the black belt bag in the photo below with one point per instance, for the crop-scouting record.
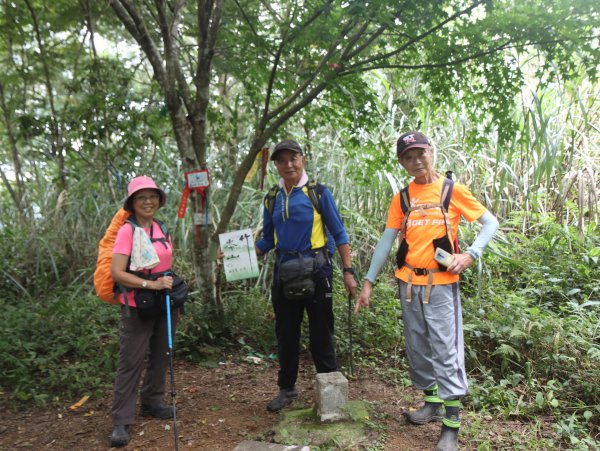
(297, 277)
(179, 292)
(151, 303)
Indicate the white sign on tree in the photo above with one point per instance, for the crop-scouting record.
(239, 260)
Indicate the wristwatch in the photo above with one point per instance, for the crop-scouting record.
(144, 283)
(349, 270)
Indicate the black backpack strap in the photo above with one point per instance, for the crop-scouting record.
(315, 190)
(165, 231)
(163, 228)
(404, 200)
(270, 199)
(131, 221)
(446, 195)
(445, 199)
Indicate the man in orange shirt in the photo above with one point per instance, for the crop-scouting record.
(426, 215)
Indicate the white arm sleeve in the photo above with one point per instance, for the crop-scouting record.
(489, 225)
(381, 253)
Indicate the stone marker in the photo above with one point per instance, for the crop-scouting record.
(332, 394)
(248, 445)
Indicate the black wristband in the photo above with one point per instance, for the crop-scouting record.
(349, 270)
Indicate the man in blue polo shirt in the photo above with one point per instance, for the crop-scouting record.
(296, 230)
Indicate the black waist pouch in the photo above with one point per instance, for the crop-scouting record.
(149, 303)
(297, 277)
(179, 292)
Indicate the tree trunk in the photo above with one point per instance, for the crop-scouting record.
(188, 112)
(18, 194)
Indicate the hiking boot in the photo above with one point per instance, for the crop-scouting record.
(431, 411)
(285, 397)
(162, 412)
(119, 436)
(448, 439)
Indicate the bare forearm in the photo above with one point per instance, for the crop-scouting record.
(344, 250)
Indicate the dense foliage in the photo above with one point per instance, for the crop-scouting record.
(530, 319)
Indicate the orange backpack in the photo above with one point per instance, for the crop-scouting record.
(103, 282)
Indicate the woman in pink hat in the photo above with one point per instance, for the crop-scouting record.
(139, 335)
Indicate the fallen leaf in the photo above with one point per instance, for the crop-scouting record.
(79, 403)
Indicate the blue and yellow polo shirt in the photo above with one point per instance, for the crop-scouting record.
(297, 227)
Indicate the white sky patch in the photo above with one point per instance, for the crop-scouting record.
(124, 49)
(8, 172)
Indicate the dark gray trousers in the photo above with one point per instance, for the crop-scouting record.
(136, 339)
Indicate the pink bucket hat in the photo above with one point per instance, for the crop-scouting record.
(138, 183)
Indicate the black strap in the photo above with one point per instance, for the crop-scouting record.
(314, 194)
(444, 200)
(404, 199)
(162, 240)
(448, 182)
(132, 220)
(270, 199)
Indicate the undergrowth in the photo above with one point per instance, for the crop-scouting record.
(531, 324)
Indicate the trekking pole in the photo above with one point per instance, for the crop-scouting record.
(170, 352)
(350, 332)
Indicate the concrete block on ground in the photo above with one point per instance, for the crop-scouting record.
(332, 395)
(249, 445)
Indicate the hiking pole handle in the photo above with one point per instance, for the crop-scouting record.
(168, 309)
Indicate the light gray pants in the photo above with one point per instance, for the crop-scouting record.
(434, 339)
(136, 338)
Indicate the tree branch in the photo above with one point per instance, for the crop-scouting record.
(134, 22)
(349, 55)
(169, 34)
(248, 22)
(506, 45)
(330, 52)
(420, 37)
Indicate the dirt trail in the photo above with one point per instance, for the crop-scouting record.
(217, 409)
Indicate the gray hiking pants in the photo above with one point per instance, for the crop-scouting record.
(136, 339)
(434, 339)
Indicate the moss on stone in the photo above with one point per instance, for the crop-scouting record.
(302, 427)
